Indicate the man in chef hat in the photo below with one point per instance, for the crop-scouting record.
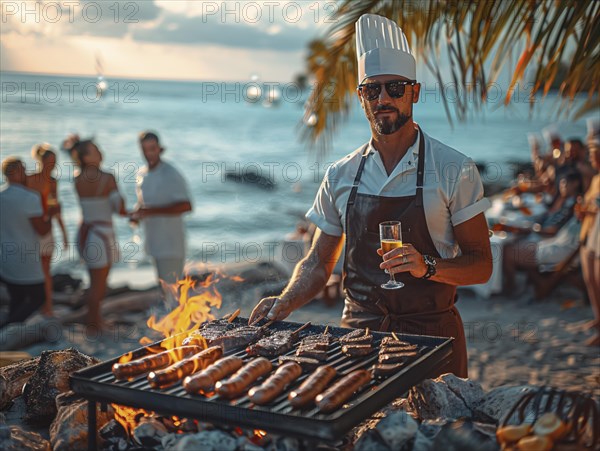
(400, 174)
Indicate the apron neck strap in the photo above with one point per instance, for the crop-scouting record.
(365, 154)
(420, 169)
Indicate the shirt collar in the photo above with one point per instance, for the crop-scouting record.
(408, 161)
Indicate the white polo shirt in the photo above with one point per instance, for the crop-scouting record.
(452, 190)
(19, 243)
(160, 187)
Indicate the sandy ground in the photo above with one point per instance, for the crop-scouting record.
(510, 341)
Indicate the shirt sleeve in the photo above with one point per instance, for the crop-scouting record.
(323, 212)
(467, 199)
(178, 189)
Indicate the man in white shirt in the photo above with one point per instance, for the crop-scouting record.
(404, 175)
(22, 222)
(162, 198)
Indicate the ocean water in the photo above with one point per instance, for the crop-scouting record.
(209, 128)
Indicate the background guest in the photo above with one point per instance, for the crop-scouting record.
(22, 221)
(99, 198)
(45, 184)
(163, 197)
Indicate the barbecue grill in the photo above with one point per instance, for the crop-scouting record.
(98, 384)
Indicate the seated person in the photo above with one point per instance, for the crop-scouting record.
(540, 247)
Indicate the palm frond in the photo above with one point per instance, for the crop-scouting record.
(477, 39)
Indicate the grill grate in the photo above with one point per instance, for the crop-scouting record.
(97, 384)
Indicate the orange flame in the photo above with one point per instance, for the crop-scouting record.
(191, 311)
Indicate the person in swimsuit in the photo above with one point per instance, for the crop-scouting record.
(46, 185)
(99, 198)
(401, 174)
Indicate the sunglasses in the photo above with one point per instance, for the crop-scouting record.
(395, 89)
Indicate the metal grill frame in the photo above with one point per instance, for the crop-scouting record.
(97, 384)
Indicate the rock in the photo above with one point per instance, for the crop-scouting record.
(287, 444)
(371, 441)
(112, 430)
(169, 441)
(50, 379)
(69, 430)
(149, 432)
(447, 396)
(426, 434)
(207, 441)
(397, 429)
(12, 379)
(496, 403)
(13, 438)
(464, 435)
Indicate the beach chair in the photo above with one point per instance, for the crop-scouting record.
(548, 277)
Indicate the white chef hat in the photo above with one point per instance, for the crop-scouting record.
(382, 48)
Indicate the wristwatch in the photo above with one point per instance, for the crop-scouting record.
(430, 262)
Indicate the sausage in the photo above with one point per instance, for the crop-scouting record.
(152, 362)
(177, 371)
(399, 357)
(239, 382)
(336, 395)
(205, 380)
(275, 383)
(312, 386)
(357, 350)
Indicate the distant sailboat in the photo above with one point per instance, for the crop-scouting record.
(101, 83)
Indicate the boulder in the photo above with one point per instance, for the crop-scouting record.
(13, 438)
(50, 379)
(447, 396)
(69, 430)
(496, 403)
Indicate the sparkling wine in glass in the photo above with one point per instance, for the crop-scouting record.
(390, 233)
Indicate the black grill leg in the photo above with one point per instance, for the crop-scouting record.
(92, 426)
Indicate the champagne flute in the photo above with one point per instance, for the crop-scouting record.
(390, 233)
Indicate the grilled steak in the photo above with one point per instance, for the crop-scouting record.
(241, 336)
(382, 370)
(391, 341)
(400, 357)
(397, 349)
(357, 337)
(317, 341)
(359, 350)
(305, 362)
(210, 331)
(278, 343)
(314, 353)
(355, 333)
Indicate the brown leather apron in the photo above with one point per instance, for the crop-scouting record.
(421, 307)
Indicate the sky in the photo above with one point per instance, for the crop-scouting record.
(171, 39)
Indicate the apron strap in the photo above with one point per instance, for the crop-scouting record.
(361, 166)
(420, 170)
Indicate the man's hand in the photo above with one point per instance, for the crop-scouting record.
(404, 259)
(272, 308)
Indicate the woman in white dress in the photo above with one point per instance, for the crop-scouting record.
(99, 198)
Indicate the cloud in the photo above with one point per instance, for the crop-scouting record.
(205, 31)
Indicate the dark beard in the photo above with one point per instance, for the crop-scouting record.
(386, 126)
